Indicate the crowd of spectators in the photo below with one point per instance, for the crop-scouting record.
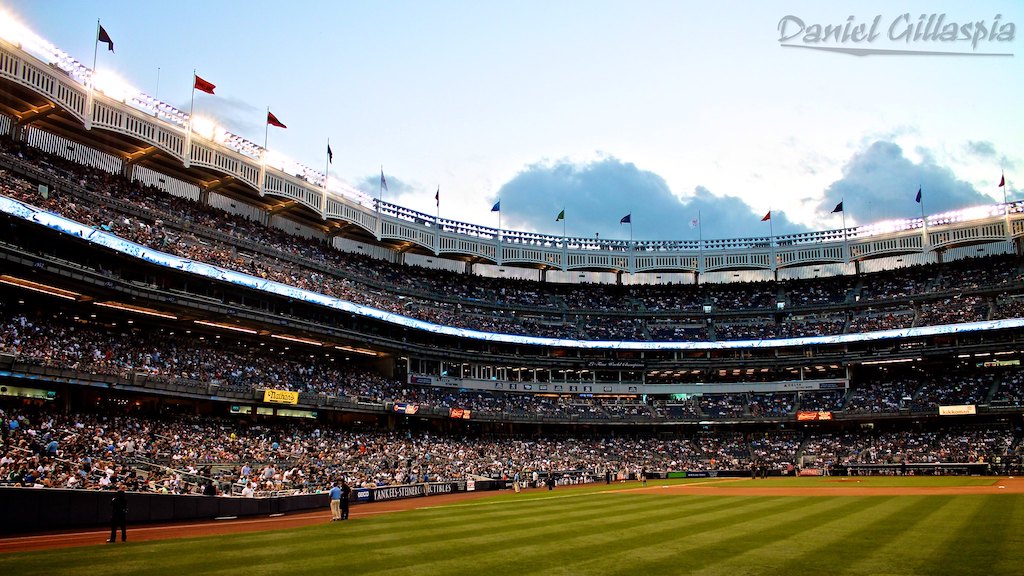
(183, 454)
(189, 229)
(961, 444)
(882, 395)
(1011, 390)
(830, 400)
(954, 309)
(953, 390)
(872, 320)
(103, 350)
(819, 292)
(1008, 307)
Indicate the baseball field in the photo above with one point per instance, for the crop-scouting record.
(727, 527)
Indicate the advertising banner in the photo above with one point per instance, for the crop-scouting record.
(281, 396)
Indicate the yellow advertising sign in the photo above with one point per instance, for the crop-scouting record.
(958, 410)
(281, 396)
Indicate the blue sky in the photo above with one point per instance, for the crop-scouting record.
(659, 109)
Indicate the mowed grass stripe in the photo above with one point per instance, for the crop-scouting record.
(969, 541)
(836, 543)
(551, 545)
(427, 528)
(913, 543)
(707, 541)
(528, 539)
(635, 528)
(845, 540)
(1007, 529)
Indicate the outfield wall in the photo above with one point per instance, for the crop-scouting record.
(40, 509)
(37, 509)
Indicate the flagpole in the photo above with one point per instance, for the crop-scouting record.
(90, 96)
(924, 221)
(266, 131)
(1006, 205)
(437, 222)
(846, 247)
(327, 175)
(700, 242)
(380, 188)
(565, 244)
(498, 258)
(263, 154)
(188, 129)
(327, 166)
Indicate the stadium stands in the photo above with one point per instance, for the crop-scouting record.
(741, 410)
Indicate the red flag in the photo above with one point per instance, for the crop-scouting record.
(104, 37)
(273, 121)
(203, 85)
(1002, 180)
(767, 216)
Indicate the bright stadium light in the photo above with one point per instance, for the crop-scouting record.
(11, 30)
(885, 227)
(114, 86)
(17, 33)
(205, 127)
(966, 214)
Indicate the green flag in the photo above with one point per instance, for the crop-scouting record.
(561, 215)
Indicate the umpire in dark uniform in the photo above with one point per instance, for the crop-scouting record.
(345, 492)
(118, 516)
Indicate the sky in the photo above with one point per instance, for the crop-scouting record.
(664, 110)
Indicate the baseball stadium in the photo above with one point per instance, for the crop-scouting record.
(203, 342)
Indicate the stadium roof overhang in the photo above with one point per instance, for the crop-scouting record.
(31, 109)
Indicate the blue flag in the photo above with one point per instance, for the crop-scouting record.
(627, 219)
(383, 182)
(496, 207)
(918, 198)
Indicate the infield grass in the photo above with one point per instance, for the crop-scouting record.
(602, 530)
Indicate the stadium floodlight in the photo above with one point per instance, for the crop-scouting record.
(137, 309)
(205, 127)
(21, 36)
(11, 30)
(884, 227)
(226, 326)
(42, 288)
(114, 86)
(288, 338)
(966, 214)
(893, 361)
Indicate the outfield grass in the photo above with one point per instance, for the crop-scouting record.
(596, 531)
(858, 482)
